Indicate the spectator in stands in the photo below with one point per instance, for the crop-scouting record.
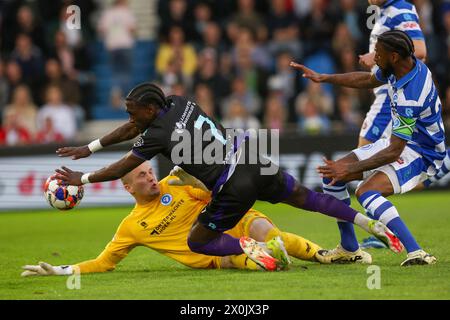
(27, 23)
(246, 98)
(117, 26)
(48, 134)
(204, 98)
(351, 17)
(13, 76)
(246, 43)
(54, 76)
(29, 58)
(285, 78)
(4, 87)
(317, 27)
(320, 98)
(212, 35)
(348, 112)
(310, 120)
(342, 39)
(255, 77)
(283, 29)
(246, 17)
(237, 117)
(347, 60)
(202, 16)
(275, 114)
(176, 49)
(302, 7)
(208, 73)
(172, 75)
(12, 133)
(23, 109)
(65, 54)
(62, 115)
(175, 12)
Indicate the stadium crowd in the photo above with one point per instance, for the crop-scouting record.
(231, 56)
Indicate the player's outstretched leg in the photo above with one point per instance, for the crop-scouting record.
(383, 210)
(303, 198)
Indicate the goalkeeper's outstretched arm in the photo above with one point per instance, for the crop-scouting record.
(114, 252)
(123, 133)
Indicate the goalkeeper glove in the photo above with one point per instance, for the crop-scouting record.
(46, 269)
(185, 179)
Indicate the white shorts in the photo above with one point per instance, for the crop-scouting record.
(377, 124)
(405, 173)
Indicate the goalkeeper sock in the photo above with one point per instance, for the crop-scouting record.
(346, 229)
(295, 245)
(243, 262)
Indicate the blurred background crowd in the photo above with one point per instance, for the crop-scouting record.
(231, 56)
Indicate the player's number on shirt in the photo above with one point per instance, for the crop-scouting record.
(216, 133)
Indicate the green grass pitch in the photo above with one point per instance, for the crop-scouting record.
(74, 236)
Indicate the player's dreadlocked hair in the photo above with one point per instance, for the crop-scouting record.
(147, 93)
(397, 41)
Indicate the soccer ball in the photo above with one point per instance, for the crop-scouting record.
(60, 195)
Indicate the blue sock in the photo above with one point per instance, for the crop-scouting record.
(346, 229)
(384, 211)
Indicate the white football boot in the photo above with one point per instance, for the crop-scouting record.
(340, 255)
(418, 257)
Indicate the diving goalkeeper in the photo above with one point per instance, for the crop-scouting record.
(161, 220)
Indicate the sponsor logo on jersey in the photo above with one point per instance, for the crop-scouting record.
(167, 219)
(139, 142)
(212, 225)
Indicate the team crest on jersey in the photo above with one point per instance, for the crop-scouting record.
(139, 142)
(166, 199)
(179, 127)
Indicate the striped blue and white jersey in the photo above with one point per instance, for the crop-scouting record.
(416, 113)
(396, 15)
